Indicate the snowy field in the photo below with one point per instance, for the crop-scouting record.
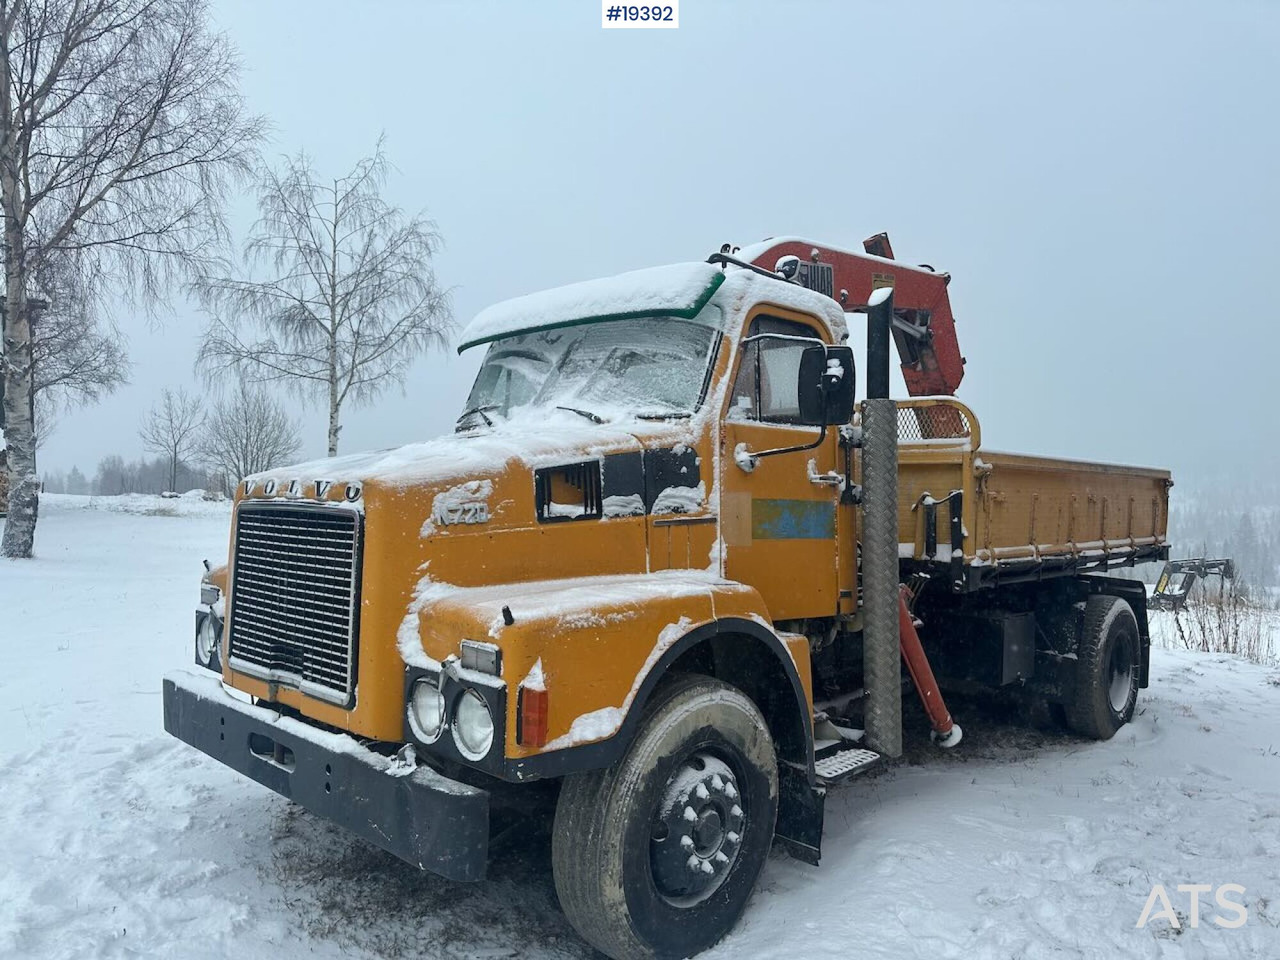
(117, 841)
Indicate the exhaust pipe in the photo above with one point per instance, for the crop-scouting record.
(882, 670)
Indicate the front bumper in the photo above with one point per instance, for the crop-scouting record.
(418, 815)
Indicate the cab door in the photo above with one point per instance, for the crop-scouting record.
(778, 513)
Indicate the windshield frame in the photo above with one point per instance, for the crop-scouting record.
(476, 413)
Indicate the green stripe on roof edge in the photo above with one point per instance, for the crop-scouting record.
(686, 313)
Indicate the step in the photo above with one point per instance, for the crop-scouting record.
(844, 764)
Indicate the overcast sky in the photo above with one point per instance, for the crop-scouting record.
(1100, 180)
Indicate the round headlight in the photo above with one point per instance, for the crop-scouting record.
(472, 726)
(207, 644)
(426, 711)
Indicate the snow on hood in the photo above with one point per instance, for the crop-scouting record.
(540, 439)
(564, 602)
(676, 290)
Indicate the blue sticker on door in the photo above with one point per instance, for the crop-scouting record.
(793, 519)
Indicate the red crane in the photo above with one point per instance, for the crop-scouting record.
(923, 328)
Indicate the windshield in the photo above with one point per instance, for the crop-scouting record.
(645, 367)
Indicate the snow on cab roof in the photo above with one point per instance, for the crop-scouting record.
(675, 290)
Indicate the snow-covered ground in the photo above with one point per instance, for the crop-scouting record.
(117, 841)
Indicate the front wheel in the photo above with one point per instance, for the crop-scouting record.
(657, 855)
(1106, 682)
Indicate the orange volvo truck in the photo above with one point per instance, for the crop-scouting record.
(668, 563)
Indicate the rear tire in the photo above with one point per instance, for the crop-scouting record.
(657, 855)
(1106, 681)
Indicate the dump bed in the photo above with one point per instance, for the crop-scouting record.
(993, 517)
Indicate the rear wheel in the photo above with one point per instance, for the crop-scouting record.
(657, 855)
(1106, 683)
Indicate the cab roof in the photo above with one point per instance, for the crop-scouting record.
(676, 290)
(679, 290)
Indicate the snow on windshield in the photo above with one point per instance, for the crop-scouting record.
(647, 366)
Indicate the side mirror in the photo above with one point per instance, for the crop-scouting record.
(826, 385)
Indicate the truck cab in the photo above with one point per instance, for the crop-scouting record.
(635, 569)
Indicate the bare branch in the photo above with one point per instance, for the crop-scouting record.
(248, 433)
(77, 355)
(337, 295)
(171, 428)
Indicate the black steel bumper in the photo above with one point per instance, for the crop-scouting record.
(422, 817)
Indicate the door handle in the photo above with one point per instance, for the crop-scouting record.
(830, 478)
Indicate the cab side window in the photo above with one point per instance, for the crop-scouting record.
(767, 384)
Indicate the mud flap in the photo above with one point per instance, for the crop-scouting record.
(800, 814)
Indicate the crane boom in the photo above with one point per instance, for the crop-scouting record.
(923, 330)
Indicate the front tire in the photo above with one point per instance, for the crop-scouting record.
(657, 855)
(1106, 682)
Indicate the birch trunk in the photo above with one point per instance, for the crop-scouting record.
(19, 425)
(335, 405)
(334, 427)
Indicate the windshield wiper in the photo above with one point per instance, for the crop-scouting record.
(480, 410)
(664, 415)
(583, 413)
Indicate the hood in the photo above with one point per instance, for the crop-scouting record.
(550, 438)
(473, 482)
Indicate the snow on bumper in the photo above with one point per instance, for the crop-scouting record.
(422, 817)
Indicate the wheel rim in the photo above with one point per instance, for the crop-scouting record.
(204, 644)
(697, 830)
(1122, 672)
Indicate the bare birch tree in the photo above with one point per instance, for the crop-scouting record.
(338, 296)
(248, 432)
(172, 428)
(120, 128)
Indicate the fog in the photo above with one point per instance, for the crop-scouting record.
(1099, 179)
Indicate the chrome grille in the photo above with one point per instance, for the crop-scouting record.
(295, 580)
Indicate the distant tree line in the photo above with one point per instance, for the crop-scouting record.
(198, 448)
(116, 476)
